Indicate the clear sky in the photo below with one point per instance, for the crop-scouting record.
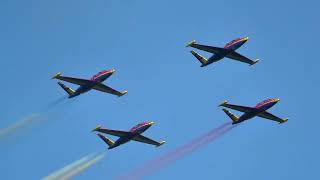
(145, 42)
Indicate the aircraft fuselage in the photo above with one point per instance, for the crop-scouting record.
(230, 47)
(96, 79)
(259, 108)
(135, 131)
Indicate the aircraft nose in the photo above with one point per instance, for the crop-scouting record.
(246, 38)
(151, 123)
(112, 70)
(277, 100)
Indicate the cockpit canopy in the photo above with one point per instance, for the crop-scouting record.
(138, 126)
(266, 102)
(232, 42)
(99, 74)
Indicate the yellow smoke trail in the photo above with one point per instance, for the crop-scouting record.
(74, 168)
(31, 119)
(19, 125)
(66, 169)
(83, 167)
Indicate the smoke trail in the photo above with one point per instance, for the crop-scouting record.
(194, 147)
(75, 168)
(178, 153)
(83, 167)
(66, 169)
(4, 132)
(29, 120)
(54, 103)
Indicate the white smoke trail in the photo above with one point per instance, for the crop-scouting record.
(82, 167)
(19, 125)
(68, 168)
(31, 119)
(75, 168)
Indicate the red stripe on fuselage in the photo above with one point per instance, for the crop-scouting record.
(100, 74)
(139, 126)
(265, 102)
(233, 42)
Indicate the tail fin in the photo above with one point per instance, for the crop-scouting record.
(106, 140)
(224, 103)
(233, 117)
(202, 59)
(97, 128)
(56, 75)
(191, 43)
(67, 89)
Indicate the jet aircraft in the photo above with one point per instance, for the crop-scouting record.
(126, 136)
(229, 51)
(86, 85)
(249, 112)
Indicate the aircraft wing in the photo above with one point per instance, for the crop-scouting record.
(112, 132)
(77, 81)
(107, 89)
(210, 49)
(237, 107)
(272, 117)
(236, 56)
(144, 139)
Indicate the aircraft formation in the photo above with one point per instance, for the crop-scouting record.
(135, 133)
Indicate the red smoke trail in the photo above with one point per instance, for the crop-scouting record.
(178, 153)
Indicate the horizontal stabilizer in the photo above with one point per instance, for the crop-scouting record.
(56, 75)
(65, 88)
(233, 117)
(223, 103)
(106, 140)
(202, 59)
(97, 128)
(191, 43)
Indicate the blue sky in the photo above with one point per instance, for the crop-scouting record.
(145, 42)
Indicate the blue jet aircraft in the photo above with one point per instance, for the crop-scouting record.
(249, 112)
(86, 85)
(229, 51)
(126, 136)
